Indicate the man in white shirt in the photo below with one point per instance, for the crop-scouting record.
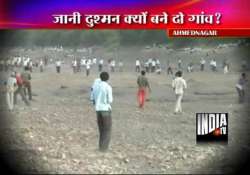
(158, 70)
(30, 65)
(179, 64)
(102, 98)
(88, 67)
(190, 67)
(74, 65)
(150, 64)
(213, 65)
(146, 65)
(25, 61)
(58, 66)
(41, 65)
(158, 64)
(202, 63)
(90, 61)
(137, 65)
(11, 88)
(14, 62)
(225, 69)
(82, 64)
(94, 60)
(19, 61)
(153, 65)
(179, 84)
(100, 65)
(112, 64)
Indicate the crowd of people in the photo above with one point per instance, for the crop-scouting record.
(150, 65)
(19, 83)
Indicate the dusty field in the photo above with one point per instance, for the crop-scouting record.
(58, 133)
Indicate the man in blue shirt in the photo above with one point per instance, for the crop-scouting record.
(102, 99)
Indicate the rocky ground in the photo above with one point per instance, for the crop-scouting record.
(58, 132)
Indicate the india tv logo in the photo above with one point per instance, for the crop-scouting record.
(212, 127)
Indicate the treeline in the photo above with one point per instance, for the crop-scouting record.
(86, 38)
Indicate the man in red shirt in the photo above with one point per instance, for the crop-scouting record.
(20, 90)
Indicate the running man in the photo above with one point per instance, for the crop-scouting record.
(179, 84)
(143, 85)
(102, 99)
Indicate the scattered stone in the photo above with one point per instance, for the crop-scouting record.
(45, 120)
(44, 158)
(63, 156)
(200, 157)
(76, 161)
(184, 156)
(180, 148)
(40, 149)
(126, 160)
(63, 87)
